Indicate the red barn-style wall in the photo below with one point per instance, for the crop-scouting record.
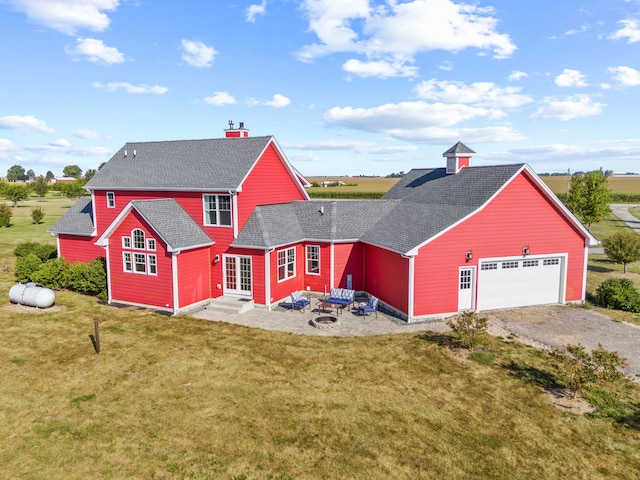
(387, 276)
(347, 258)
(195, 280)
(76, 248)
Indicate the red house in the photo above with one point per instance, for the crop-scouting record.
(181, 223)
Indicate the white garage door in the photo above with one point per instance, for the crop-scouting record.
(520, 282)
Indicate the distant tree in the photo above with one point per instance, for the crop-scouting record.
(400, 174)
(14, 173)
(72, 171)
(588, 196)
(37, 214)
(5, 215)
(88, 175)
(16, 192)
(49, 175)
(40, 186)
(31, 174)
(73, 190)
(622, 247)
(101, 165)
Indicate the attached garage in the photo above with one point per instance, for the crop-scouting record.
(508, 283)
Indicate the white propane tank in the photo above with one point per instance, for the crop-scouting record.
(31, 295)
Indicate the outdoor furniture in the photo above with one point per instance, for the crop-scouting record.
(341, 296)
(325, 306)
(299, 301)
(370, 306)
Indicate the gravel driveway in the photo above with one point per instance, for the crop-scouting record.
(557, 325)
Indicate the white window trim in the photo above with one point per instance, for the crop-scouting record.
(205, 210)
(286, 264)
(111, 200)
(151, 244)
(307, 271)
(143, 263)
(126, 240)
(133, 239)
(150, 263)
(124, 262)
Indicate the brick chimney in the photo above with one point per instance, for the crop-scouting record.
(239, 132)
(458, 156)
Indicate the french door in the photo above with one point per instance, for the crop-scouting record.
(237, 275)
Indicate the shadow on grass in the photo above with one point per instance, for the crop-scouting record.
(532, 375)
(441, 339)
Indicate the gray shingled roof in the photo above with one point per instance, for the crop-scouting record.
(458, 148)
(220, 163)
(78, 220)
(421, 205)
(174, 225)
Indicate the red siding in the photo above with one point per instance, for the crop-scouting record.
(269, 182)
(74, 248)
(134, 287)
(258, 289)
(321, 282)
(283, 289)
(387, 277)
(194, 283)
(348, 261)
(520, 215)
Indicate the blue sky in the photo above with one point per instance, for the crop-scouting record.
(347, 87)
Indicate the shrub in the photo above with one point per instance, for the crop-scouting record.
(53, 274)
(5, 215)
(42, 251)
(37, 214)
(469, 328)
(88, 278)
(27, 267)
(618, 294)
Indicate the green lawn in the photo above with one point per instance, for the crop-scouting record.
(176, 397)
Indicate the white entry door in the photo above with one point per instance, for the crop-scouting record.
(466, 288)
(237, 275)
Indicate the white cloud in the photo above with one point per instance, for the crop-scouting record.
(129, 88)
(625, 76)
(397, 31)
(277, 101)
(630, 30)
(575, 106)
(197, 54)
(7, 146)
(354, 146)
(485, 94)
(254, 10)
(517, 75)
(96, 51)
(220, 98)
(68, 16)
(381, 69)
(571, 78)
(63, 146)
(87, 134)
(61, 142)
(26, 122)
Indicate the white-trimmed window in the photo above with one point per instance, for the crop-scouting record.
(551, 261)
(151, 244)
(286, 263)
(509, 264)
(313, 259)
(138, 239)
(127, 266)
(217, 209)
(139, 263)
(126, 242)
(151, 263)
(111, 200)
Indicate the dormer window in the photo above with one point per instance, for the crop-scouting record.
(111, 200)
(217, 210)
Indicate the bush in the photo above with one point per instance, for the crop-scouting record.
(469, 328)
(88, 278)
(42, 251)
(37, 214)
(618, 294)
(53, 274)
(27, 267)
(5, 215)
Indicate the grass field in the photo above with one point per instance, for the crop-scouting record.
(175, 397)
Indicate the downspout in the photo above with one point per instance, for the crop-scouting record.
(332, 266)
(267, 277)
(411, 289)
(174, 281)
(107, 258)
(584, 273)
(234, 212)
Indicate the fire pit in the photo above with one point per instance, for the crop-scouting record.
(325, 321)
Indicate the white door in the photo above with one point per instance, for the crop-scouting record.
(237, 275)
(466, 288)
(520, 282)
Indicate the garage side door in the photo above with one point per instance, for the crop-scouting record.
(518, 283)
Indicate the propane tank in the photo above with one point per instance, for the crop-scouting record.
(31, 295)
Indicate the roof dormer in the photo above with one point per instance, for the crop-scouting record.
(239, 132)
(458, 156)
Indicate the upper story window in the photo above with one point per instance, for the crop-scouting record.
(313, 259)
(138, 238)
(286, 263)
(111, 200)
(217, 209)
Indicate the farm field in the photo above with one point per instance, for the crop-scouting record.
(557, 184)
(176, 397)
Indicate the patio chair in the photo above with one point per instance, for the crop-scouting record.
(299, 301)
(370, 306)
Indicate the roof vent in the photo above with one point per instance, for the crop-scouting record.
(458, 157)
(239, 132)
